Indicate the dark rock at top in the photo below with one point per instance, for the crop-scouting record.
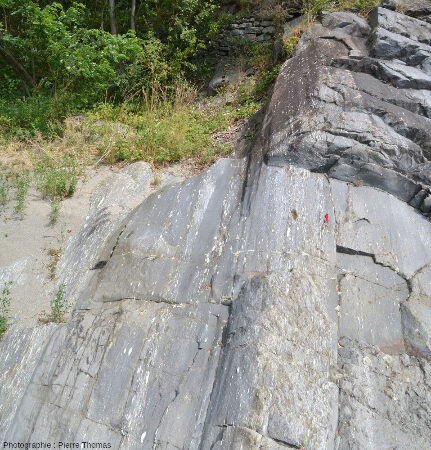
(336, 114)
(420, 9)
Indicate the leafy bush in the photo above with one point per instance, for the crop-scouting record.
(68, 65)
(59, 305)
(72, 67)
(186, 27)
(23, 117)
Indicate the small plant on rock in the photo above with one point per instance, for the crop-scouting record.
(267, 78)
(156, 178)
(55, 254)
(59, 308)
(5, 307)
(57, 179)
(59, 305)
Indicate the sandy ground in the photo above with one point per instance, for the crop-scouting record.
(25, 243)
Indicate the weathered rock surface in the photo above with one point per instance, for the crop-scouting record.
(277, 301)
(347, 116)
(384, 399)
(109, 205)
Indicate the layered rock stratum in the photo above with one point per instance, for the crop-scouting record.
(282, 300)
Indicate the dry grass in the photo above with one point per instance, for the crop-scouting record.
(165, 127)
(29, 153)
(401, 7)
(99, 138)
(292, 40)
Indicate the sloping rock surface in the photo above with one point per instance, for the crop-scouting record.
(281, 301)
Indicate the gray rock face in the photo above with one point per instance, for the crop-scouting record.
(384, 400)
(348, 22)
(368, 292)
(421, 9)
(110, 204)
(277, 301)
(336, 114)
(409, 27)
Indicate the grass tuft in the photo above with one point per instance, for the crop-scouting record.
(5, 301)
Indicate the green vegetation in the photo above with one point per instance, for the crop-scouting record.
(57, 180)
(163, 129)
(58, 60)
(59, 308)
(14, 183)
(59, 305)
(73, 94)
(5, 307)
(22, 181)
(55, 210)
(82, 84)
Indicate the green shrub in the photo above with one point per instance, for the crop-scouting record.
(72, 67)
(59, 305)
(23, 117)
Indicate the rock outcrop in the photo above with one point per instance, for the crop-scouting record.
(277, 301)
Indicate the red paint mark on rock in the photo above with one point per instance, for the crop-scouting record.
(327, 217)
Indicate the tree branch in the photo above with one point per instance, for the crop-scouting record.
(27, 80)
